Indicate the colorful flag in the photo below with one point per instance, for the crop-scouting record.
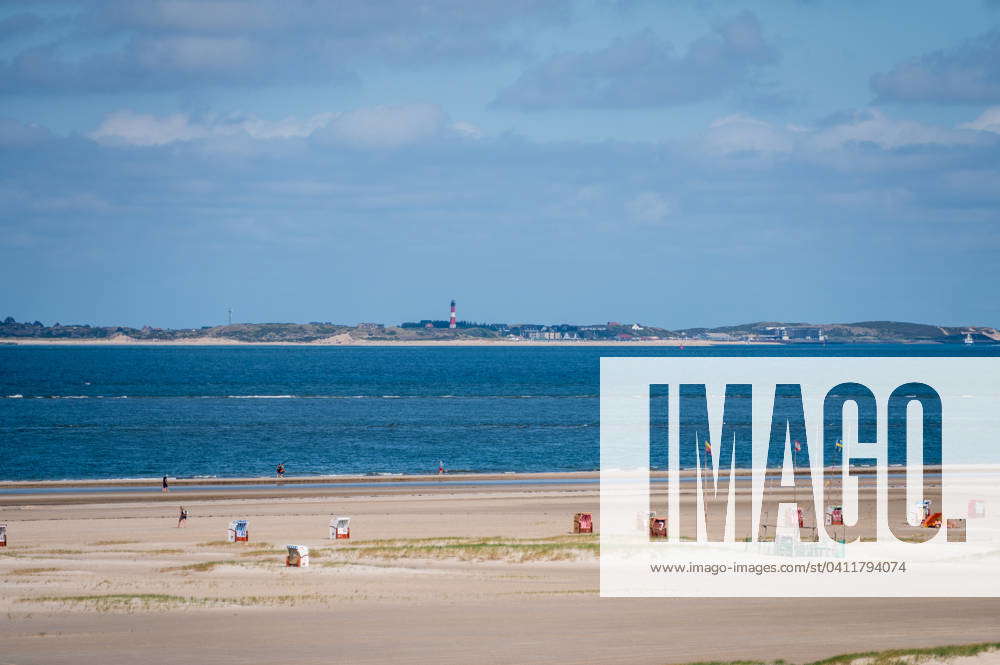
(708, 447)
(840, 444)
(798, 447)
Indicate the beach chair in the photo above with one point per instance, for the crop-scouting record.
(932, 521)
(918, 512)
(238, 532)
(340, 528)
(583, 523)
(298, 556)
(3, 535)
(657, 527)
(834, 516)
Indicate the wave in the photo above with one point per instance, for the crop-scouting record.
(450, 396)
(261, 396)
(333, 427)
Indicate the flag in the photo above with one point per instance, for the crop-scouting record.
(708, 447)
(798, 447)
(840, 444)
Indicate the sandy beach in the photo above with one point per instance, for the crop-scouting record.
(444, 572)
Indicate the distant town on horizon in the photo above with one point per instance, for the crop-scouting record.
(430, 330)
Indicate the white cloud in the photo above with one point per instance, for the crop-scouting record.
(379, 126)
(143, 129)
(649, 207)
(988, 121)
(387, 126)
(744, 134)
(128, 127)
(739, 133)
(873, 126)
(468, 130)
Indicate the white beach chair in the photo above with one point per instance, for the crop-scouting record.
(298, 556)
(340, 528)
(238, 532)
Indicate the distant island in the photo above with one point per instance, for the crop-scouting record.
(429, 332)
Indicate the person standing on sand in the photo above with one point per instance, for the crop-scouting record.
(441, 468)
(182, 518)
(281, 470)
(166, 487)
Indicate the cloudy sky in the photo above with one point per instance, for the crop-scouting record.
(674, 163)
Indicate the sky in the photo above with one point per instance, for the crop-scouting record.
(678, 164)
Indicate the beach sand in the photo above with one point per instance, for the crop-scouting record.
(442, 573)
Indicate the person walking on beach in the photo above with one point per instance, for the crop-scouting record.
(281, 470)
(441, 468)
(182, 518)
(166, 486)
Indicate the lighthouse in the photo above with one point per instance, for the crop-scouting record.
(452, 322)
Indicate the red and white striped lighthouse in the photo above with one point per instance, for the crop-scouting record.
(452, 322)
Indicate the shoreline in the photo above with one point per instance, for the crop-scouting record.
(340, 341)
(346, 340)
(419, 479)
(350, 479)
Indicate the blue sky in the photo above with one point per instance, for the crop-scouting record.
(673, 163)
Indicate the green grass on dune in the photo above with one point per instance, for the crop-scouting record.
(905, 656)
(470, 549)
(890, 657)
(131, 602)
(515, 550)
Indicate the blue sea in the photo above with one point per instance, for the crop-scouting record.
(117, 412)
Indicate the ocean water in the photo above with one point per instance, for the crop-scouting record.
(113, 412)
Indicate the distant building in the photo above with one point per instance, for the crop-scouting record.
(595, 332)
(805, 332)
(771, 333)
(548, 333)
(788, 333)
(545, 334)
(372, 327)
